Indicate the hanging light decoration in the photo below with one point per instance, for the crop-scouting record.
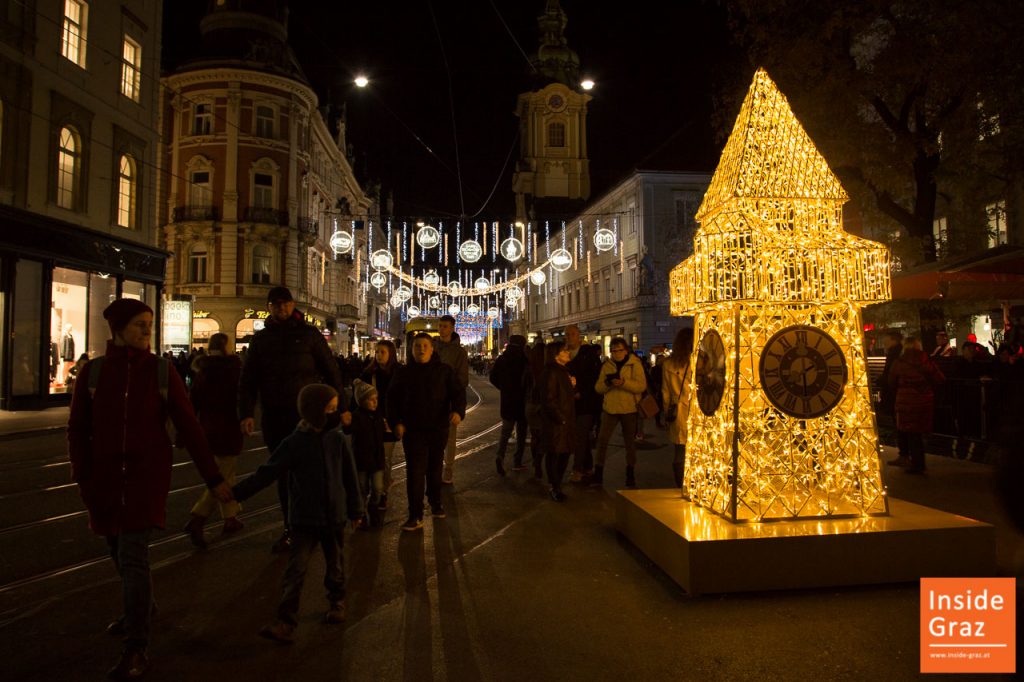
(561, 260)
(434, 302)
(403, 293)
(512, 249)
(428, 237)
(538, 277)
(455, 289)
(431, 278)
(493, 313)
(473, 309)
(381, 259)
(470, 251)
(482, 284)
(454, 309)
(514, 293)
(412, 311)
(378, 280)
(604, 239)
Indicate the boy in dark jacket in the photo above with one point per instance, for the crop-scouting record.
(367, 431)
(323, 491)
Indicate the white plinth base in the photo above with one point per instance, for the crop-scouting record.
(705, 553)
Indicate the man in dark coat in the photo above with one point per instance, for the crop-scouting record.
(425, 400)
(507, 377)
(584, 365)
(285, 356)
(121, 459)
(887, 404)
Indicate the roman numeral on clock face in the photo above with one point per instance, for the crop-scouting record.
(776, 389)
(833, 386)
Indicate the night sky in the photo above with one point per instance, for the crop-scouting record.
(657, 66)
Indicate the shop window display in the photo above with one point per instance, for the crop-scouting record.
(68, 306)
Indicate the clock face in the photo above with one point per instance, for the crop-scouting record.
(803, 371)
(555, 102)
(710, 372)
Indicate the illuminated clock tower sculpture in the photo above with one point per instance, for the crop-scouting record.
(781, 423)
(553, 159)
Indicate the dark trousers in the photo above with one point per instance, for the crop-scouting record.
(604, 435)
(424, 458)
(583, 459)
(275, 430)
(130, 552)
(556, 466)
(915, 449)
(903, 443)
(304, 541)
(506, 433)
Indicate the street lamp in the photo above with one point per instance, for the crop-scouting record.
(587, 84)
(361, 81)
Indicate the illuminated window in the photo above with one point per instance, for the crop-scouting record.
(131, 69)
(265, 122)
(72, 42)
(261, 259)
(126, 183)
(988, 123)
(197, 261)
(202, 119)
(940, 235)
(67, 168)
(556, 135)
(996, 213)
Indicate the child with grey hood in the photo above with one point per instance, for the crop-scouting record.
(323, 492)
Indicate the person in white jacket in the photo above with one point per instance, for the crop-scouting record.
(675, 398)
(622, 381)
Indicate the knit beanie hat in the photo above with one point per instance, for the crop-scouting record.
(363, 391)
(119, 313)
(312, 401)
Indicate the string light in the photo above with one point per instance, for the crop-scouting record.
(771, 254)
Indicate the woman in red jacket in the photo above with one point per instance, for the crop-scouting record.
(914, 376)
(121, 460)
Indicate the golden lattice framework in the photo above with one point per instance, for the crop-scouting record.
(771, 253)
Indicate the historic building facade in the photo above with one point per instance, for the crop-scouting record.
(79, 91)
(621, 290)
(256, 186)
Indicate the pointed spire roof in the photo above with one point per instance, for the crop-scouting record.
(554, 59)
(769, 156)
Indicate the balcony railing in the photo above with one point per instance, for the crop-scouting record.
(262, 214)
(183, 213)
(308, 226)
(347, 311)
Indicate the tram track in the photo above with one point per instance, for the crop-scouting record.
(39, 579)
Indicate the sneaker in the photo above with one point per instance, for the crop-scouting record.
(194, 529)
(900, 461)
(336, 614)
(438, 512)
(279, 632)
(283, 544)
(382, 504)
(499, 466)
(131, 666)
(412, 525)
(232, 525)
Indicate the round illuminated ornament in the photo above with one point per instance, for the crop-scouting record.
(431, 278)
(455, 289)
(378, 279)
(511, 302)
(473, 309)
(412, 311)
(482, 284)
(434, 302)
(454, 309)
(604, 240)
(514, 293)
(341, 242)
(561, 260)
(470, 251)
(403, 293)
(428, 237)
(512, 249)
(381, 259)
(538, 277)
(493, 313)
(395, 301)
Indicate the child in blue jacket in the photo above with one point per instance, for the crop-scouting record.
(323, 492)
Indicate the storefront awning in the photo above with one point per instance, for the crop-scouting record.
(996, 274)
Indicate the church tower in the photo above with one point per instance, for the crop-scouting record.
(553, 159)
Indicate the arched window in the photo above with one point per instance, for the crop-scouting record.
(261, 262)
(67, 168)
(126, 184)
(556, 135)
(197, 262)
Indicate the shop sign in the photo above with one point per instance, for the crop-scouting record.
(312, 320)
(200, 314)
(177, 323)
(250, 313)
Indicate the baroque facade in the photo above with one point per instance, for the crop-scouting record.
(256, 185)
(79, 92)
